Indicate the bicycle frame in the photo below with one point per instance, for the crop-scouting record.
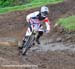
(29, 43)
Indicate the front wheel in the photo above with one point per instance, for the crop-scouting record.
(24, 51)
(29, 43)
(26, 46)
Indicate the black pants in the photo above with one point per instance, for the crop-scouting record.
(40, 33)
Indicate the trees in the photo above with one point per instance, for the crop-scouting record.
(5, 3)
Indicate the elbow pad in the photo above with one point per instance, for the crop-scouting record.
(47, 26)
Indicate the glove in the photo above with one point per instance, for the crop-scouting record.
(47, 31)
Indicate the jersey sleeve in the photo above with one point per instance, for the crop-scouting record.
(47, 22)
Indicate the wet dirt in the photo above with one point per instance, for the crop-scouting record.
(57, 49)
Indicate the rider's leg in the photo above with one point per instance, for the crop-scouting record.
(40, 33)
(23, 42)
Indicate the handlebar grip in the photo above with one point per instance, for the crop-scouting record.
(44, 30)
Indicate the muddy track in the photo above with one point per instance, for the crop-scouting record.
(56, 53)
(14, 22)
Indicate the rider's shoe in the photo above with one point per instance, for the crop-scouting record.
(33, 44)
(37, 41)
(20, 47)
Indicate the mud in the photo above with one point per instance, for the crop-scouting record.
(57, 49)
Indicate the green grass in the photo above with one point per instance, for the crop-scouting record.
(68, 23)
(33, 4)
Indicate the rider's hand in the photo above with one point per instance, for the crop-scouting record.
(47, 31)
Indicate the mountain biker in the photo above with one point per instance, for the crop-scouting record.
(34, 21)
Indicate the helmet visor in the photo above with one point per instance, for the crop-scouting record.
(44, 14)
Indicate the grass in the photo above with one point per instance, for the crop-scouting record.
(33, 4)
(68, 23)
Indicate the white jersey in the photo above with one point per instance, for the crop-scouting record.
(34, 14)
(36, 18)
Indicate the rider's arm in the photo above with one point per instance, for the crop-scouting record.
(47, 22)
